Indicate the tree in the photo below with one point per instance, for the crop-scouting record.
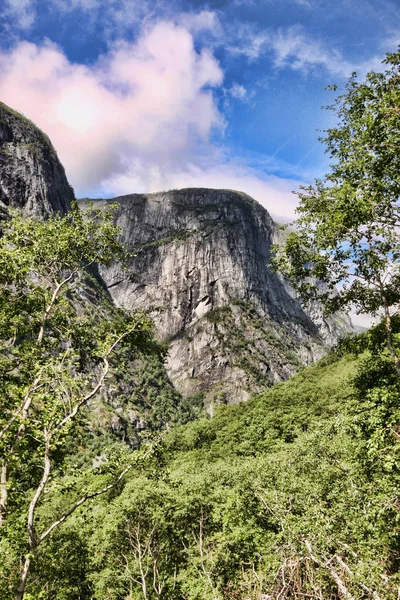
(58, 348)
(347, 233)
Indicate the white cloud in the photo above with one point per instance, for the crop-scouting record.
(204, 20)
(141, 118)
(304, 3)
(291, 47)
(148, 102)
(288, 47)
(247, 40)
(114, 17)
(22, 12)
(238, 91)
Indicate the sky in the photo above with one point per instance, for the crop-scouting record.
(148, 95)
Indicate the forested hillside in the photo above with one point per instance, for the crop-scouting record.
(293, 494)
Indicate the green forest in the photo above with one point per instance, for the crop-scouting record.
(293, 494)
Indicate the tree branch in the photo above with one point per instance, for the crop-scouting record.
(82, 501)
(47, 311)
(24, 406)
(97, 387)
(339, 582)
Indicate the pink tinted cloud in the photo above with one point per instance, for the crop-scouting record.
(146, 102)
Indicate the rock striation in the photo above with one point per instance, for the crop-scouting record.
(201, 265)
(32, 179)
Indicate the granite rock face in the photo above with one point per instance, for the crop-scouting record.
(139, 394)
(232, 326)
(32, 178)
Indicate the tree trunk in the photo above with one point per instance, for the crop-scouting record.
(32, 541)
(3, 491)
(22, 580)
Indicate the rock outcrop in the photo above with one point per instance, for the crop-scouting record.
(32, 178)
(139, 396)
(202, 264)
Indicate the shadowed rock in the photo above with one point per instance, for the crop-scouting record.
(32, 178)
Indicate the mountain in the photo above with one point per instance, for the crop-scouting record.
(293, 494)
(202, 263)
(32, 179)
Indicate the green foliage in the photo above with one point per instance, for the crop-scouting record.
(294, 494)
(347, 231)
(57, 352)
(287, 494)
(283, 496)
(157, 400)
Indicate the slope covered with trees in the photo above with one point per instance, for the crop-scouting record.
(293, 494)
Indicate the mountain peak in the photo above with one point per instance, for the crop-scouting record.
(32, 179)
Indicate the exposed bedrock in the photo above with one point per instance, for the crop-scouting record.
(202, 262)
(32, 179)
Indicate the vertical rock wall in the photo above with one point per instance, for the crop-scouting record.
(202, 264)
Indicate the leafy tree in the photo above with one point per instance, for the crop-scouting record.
(58, 349)
(347, 234)
(292, 494)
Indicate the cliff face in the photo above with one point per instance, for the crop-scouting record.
(31, 177)
(202, 256)
(139, 395)
(201, 265)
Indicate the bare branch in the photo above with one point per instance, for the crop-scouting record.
(339, 582)
(47, 311)
(82, 501)
(97, 387)
(33, 543)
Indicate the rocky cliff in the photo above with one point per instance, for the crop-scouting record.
(202, 264)
(32, 178)
(140, 395)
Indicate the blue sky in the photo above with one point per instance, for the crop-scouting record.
(148, 95)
